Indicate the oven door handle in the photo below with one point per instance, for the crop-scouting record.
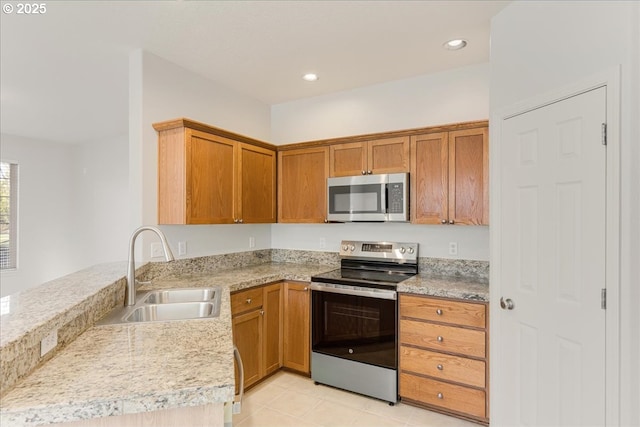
(371, 293)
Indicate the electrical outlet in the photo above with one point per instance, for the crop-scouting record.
(182, 248)
(323, 243)
(252, 242)
(453, 248)
(156, 250)
(48, 343)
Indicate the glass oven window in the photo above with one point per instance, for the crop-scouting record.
(353, 327)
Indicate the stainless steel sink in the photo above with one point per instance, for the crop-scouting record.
(172, 311)
(167, 305)
(180, 295)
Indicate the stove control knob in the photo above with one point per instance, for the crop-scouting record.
(402, 250)
(410, 250)
(352, 248)
(345, 247)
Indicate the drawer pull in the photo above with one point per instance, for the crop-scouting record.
(440, 339)
(439, 312)
(440, 367)
(440, 396)
(248, 301)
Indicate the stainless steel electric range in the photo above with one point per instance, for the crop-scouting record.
(354, 314)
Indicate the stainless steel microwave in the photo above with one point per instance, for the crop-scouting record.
(368, 198)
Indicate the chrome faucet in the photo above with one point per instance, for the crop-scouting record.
(131, 271)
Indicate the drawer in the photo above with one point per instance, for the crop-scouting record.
(452, 339)
(248, 300)
(448, 396)
(441, 310)
(443, 366)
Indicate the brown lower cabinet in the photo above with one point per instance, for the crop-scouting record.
(257, 330)
(297, 328)
(443, 349)
(271, 327)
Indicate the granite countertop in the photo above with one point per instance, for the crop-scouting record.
(447, 286)
(118, 369)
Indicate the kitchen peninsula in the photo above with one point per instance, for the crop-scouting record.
(123, 370)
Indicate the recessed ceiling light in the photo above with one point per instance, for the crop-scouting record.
(455, 44)
(310, 77)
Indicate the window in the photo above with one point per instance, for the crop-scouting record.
(8, 215)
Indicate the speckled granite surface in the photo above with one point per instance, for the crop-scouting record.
(118, 369)
(447, 286)
(70, 304)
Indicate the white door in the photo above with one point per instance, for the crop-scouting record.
(552, 268)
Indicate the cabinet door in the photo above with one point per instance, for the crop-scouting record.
(210, 179)
(296, 326)
(429, 178)
(389, 155)
(469, 176)
(302, 185)
(256, 177)
(247, 336)
(171, 177)
(272, 311)
(348, 159)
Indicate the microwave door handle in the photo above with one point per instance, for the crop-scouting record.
(384, 197)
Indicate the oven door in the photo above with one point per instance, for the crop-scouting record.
(353, 323)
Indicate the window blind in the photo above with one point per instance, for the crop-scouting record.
(8, 215)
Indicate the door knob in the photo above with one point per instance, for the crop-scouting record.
(507, 304)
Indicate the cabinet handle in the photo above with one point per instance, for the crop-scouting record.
(440, 339)
(439, 312)
(261, 312)
(440, 367)
(450, 221)
(364, 172)
(248, 301)
(440, 396)
(240, 220)
(444, 221)
(306, 288)
(235, 220)
(369, 172)
(326, 220)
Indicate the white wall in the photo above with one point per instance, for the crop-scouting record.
(160, 91)
(72, 207)
(435, 99)
(433, 239)
(537, 47)
(45, 211)
(101, 200)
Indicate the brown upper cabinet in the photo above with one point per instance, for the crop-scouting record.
(450, 177)
(210, 176)
(302, 185)
(388, 155)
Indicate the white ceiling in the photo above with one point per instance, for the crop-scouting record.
(64, 74)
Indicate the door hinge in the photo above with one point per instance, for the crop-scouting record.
(604, 134)
(603, 299)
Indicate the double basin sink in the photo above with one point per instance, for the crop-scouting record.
(168, 304)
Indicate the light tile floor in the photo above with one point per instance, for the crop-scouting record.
(288, 399)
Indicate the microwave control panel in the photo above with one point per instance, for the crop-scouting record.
(396, 197)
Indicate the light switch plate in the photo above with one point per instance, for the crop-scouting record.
(156, 250)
